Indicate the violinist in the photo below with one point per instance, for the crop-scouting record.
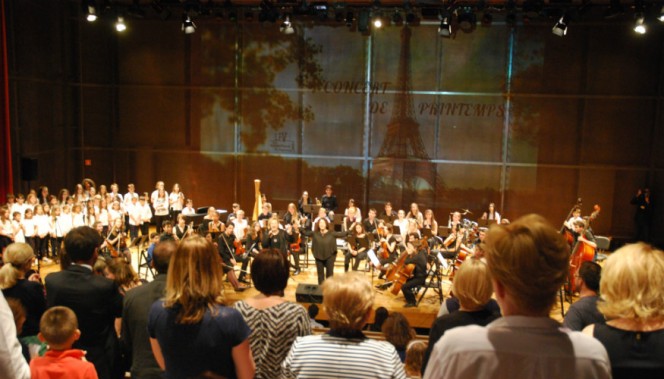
(371, 223)
(253, 238)
(226, 249)
(429, 223)
(116, 241)
(241, 224)
(304, 200)
(414, 213)
(212, 225)
(181, 229)
(417, 255)
(358, 246)
(280, 240)
(351, 218)
(292, 214)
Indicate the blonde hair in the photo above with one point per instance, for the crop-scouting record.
(16, 256)
(632, 283)
(347, 299)
(57, 325)
(124, 274)
(195, 280)
(472, 284)
(530, 258)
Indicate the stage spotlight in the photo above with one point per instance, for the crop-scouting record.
(640, 23)
(560, 28)
(661, 14)
(120, 25)
(286, 26)
(91, 11)
(188, 26)
(377, 21)
(445, 28)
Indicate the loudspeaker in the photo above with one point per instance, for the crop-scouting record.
(309, 293)
(29, 169)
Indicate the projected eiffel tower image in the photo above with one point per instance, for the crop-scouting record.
(403, 165)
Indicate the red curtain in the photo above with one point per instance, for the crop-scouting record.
(6, 176)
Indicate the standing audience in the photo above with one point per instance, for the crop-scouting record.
(398, 332)
(528, 261)
(274, 322)
(584, 311)
(632, 288)
(59, 329)
(12, 363)
(344, 352)
(192, 333)
(95, 300)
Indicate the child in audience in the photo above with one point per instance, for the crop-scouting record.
(59, 329)
(414, 355)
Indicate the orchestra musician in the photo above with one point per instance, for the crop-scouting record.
(576, 216)
(292, 215)
(329, 201)
(278, 239)
(322, 215)
(226, 249)
(241, 224)
(358, 212)
(402, 223)
(388, 215)
(429, 227)
(253, 238)
(371, 222)
(212, 225)
(181, 229)
(582, 233)
(417, 255)
(116, 241)
(266, 213)
(304, 200)
(351, 219)
(359, 244)
(491, 214)
(388, 250)
(414, 213)
(235, 208)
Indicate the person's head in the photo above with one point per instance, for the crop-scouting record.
(189, 203)
(456, 217)
(115, 188)
(16, 216)
(415, 357)
(380, 315)
(472, 284)
(92, 191)
(322, 212)
(481, 234)
(176, 188)
(576, 212)
(359, 229)
(159, 186)
(401, 214)
(589, 275)
(397, 330)
(292, 209)
(115, 205)
(10, 198)
(579, 226)
(131, 187)
(528, 261)
(195, 280)
(492, 207)
(273, 224)
(313, 311)
(167, 225)
(21, 199)
(18, 258)
(305, 195)
(141, 200)
(269, 271)
(351, 203)
(123, 273)
(27, 214)
(352, 212)
(632, 283)
(240, 214)
(230, 227)
(347, 300)
(267, 208)
(58, 327)
(117, 223)
(372, 213)
(322, 224)
(101, 268)
(181, 219)
(428, 214)
(388, 208)
(414, 209)
(81, 244)
(328, 190)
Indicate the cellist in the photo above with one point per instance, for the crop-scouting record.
(417, 255)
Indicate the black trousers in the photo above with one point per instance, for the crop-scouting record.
(325, 268)
(358, 258)
(409, 285)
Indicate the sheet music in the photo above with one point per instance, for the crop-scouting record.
(373, 258)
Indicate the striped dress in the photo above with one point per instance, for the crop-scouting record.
(273, 331)
(328, 357)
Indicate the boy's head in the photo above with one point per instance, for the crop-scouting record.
(58, 327)
(16, 216)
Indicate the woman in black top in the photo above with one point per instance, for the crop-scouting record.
(359, 245)
(324, 248)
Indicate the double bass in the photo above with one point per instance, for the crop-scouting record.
(581, 252)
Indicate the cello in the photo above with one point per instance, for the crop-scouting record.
(403, 271)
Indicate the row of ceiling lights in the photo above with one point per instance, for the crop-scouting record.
(459, 18)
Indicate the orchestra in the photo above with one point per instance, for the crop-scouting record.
(307, 226)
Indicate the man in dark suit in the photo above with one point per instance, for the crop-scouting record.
(95, 300)
(135, 310)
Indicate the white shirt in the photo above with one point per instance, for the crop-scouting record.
(518, 347)
(239, 229)
(12, 363)
(29, 228)
(176, 201)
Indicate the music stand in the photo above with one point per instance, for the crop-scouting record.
(311, 209)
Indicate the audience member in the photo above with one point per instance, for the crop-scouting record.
(12, 363)
(398, 332)
(191, 332)
(472, 287)
(124, 275)
(95, 300)
(274, 322)
(528, 261)
(18, 311)
(414, 358)
(380, 315)
(313, 312)
(584, 311)
(135, 310)
(17, 282)
(632, 285)
(59, 329)
(344, 352)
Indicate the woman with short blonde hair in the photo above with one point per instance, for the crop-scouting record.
(632, 300)
(472, 284)
(191, 332)
(345, 351)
